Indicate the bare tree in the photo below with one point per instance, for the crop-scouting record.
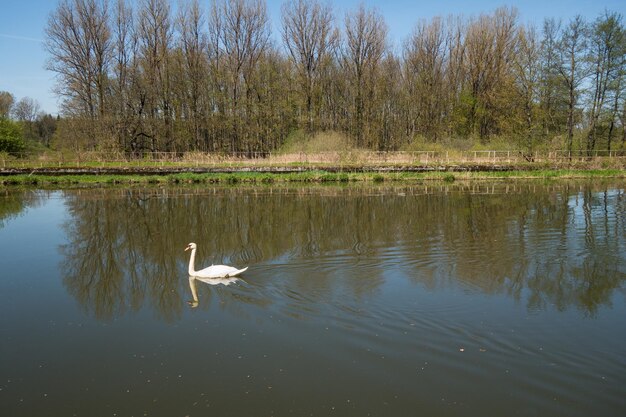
(392, 106)
(489, 49)
(606, 56)
(192, 43)
(623, 122)
(26, 110)
(425, 56)
(126, 105)
(550, 85)
(218, 82)
(241, 29)
(78, 41)
(309, 37)
(364, 48)
(455, 72)
(617, 89)
(526, 70)
(572, 69)
(155, 42)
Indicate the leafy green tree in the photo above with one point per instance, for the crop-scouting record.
(6, 104)
(44, 128)
(11, 139)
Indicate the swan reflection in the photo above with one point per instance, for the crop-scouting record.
(210, 281)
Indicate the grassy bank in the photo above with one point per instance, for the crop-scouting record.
(318, 176)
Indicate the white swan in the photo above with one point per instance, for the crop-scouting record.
(213, 271)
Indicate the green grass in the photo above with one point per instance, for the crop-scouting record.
(314, 176)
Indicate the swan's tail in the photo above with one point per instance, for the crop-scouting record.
(237, 272)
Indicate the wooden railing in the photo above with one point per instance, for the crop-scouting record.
(345, 158)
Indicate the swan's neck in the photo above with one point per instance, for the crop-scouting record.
(192, 262)
(194, 291)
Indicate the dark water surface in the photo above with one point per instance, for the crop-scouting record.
(491, 299)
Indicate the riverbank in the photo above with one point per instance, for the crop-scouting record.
(248, 176)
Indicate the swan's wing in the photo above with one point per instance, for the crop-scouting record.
(219, 271)
(237, 271)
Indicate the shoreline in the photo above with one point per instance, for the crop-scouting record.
(285, 175)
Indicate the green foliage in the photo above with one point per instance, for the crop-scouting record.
(300, 142)
(11, 139)
(267, 179)
(294, 142)
(495, 143)
(302, 177)
(6, 103)
(233, 179)
(461, 117)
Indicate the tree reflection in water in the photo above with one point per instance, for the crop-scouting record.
(560, 245)
(14, 202)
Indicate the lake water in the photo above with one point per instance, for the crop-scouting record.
(437, 300)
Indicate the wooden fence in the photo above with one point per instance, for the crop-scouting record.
(346, 158)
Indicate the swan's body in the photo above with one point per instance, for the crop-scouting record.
(213, 271)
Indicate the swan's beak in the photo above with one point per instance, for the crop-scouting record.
(187, 248)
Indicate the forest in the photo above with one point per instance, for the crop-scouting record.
(143, 77)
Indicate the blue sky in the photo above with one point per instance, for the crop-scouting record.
(22, 22)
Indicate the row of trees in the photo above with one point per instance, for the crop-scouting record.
(144, 77)
(22, 123)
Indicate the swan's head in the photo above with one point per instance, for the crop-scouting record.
(191, 246)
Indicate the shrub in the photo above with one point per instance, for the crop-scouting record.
(320, 142)
(232, 179)
(11, 139)
(267, 179)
